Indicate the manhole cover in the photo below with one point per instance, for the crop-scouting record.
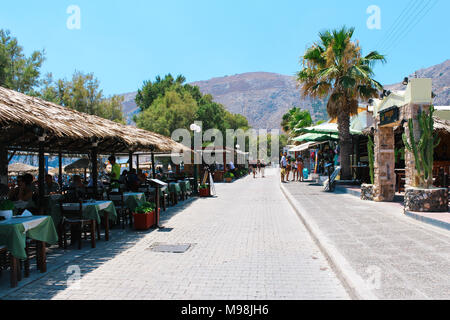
(171, 248)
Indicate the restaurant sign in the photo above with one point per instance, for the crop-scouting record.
(389, 116)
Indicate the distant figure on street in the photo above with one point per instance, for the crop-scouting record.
(262, 167)
(283, 165)
(300, 169)
(288, 167)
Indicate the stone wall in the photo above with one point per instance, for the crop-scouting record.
(426, 200)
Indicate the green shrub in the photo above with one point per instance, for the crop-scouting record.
(228, 175)
(146, 207)
(6, 205)
(203, 186)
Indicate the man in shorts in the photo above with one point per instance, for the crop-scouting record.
(283, 165)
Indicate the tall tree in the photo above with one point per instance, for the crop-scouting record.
(17, 71)
(295, 118)
(168, 104)
(334, 67)
(83, 94)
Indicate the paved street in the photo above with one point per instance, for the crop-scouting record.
(248, 243)
(411, 259)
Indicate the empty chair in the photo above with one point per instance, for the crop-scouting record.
(72, 218)
(123, 213)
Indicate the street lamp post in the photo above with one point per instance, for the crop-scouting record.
(196, 129)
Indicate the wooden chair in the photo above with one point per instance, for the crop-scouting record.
(123, 213)
(72, 217)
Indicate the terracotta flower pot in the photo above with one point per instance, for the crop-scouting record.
(204, 192)
(144, 221)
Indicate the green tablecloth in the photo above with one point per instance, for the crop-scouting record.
(91, 211)
(185, 186)
(13, 235)
(20, 205)
(175, 187)
(134, 199)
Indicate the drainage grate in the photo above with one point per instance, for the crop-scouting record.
(170, 248)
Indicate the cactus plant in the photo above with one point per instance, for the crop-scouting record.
(370, 149)
(423, 149)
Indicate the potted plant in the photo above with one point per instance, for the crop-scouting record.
(228, 176)
(420, 195)
(115, 186)
(144, 216)
(367, 189)
(204, 190)
(6, 209)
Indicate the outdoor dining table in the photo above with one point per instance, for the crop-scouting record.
(133, 199)
(94, 210)
(13, 235)
(185, 186)
(175, 189)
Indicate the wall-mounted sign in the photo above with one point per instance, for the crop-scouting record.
(389, 116)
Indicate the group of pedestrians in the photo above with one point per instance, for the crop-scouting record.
(259, 167)
(289, 164)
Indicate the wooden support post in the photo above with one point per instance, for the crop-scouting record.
(41, 177)
(157, 205)
(3, 164)
(137, 162)
(60, 180)
(94, 173)
(130, 159)
(153, 165)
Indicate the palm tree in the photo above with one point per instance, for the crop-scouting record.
(295, 118)
(334, 67)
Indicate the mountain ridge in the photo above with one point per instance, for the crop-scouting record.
(264, 97)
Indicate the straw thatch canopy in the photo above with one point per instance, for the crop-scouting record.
(69, 131)
(19, 168)
(440, 126)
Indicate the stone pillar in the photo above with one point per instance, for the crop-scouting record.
(384, 188)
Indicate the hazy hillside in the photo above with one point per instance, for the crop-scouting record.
(264, 97)
(260, 96)
(441, 82)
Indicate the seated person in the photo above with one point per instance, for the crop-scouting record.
(24, 189)
(142, 177)
(77, 187)
(132, 180)
(123, 177)
(50, 186)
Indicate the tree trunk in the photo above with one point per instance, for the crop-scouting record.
(345, 143)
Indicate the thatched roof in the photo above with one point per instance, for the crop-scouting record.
(69, 130)
(440, 125)
(18, 168)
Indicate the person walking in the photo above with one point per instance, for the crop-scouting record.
(254, 165)
(262, 166)
(283, 165)
(288, 167)
(300, 166)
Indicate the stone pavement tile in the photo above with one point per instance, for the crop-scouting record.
(248, 243)
(413, 258)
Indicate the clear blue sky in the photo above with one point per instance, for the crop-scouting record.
(126, 42)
